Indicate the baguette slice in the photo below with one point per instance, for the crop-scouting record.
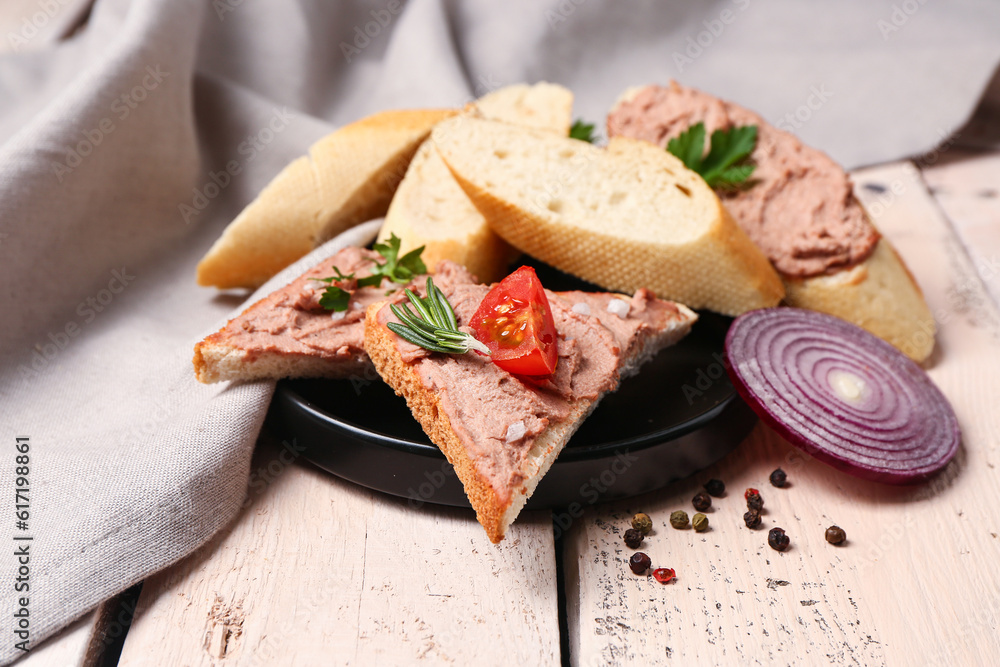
(430, 209)
(543, 106)
(348, 177)
(879, 294)
(625, 217)
(855, 275)
(288, 334)
(467, 406)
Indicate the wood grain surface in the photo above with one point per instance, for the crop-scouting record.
(318, 571)
(916, 583)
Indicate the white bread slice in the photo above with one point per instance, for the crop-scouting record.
(879, 295)
(544, 106)
(349, 177)
(429, 406)
(625, 217)
(430, 209)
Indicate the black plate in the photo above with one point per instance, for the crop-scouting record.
(678, 415)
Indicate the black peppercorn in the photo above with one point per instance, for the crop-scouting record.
(777, 539)
(755, 502)
(639, 562)
(715, 487)
(633, 538)
(751, 518)
(778, 478)
(835, 535)
(701, 501)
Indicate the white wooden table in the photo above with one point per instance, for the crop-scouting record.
(319, 571)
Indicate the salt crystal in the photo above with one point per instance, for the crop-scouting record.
(515, 432)
(581, 308)
(619, 307)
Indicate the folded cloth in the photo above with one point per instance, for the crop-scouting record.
(126, 147)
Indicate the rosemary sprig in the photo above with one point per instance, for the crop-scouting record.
(434, 326)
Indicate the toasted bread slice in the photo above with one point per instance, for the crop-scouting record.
(349, 177)
(289, 334)
(879, 295)
(500, 433)
(625, 217)
(845, 268)
(430, 209)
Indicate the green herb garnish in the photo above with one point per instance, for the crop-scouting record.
(436, 328)
(397, 269)
(582, 131)
(724, 165)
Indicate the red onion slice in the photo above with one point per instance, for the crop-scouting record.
(841, 394)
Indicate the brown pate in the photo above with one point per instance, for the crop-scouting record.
(800, 209)
(290, 321)
(487, 406)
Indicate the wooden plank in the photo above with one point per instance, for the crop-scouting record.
(918, 581)
(967, 187)
(319, 571)
(66, 649)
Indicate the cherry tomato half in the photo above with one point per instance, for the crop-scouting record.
(515, 322)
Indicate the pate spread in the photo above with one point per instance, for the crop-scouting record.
(498, 416)
(799, 208)
(290, 321)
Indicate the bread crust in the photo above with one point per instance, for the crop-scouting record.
(494, 512)
(430, 209)
(426, 408)
(720, 268)
(348, 177)
(879, 295)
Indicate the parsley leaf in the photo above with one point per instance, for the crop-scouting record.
(722, 167)
(582, 131)
(397, 269)
(335, 298)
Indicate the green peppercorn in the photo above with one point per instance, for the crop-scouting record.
(633, 538)
(715, 487)
(778, 478)
(699, 522)
(679, 519)
(642, 523)
(835, 535)
(751, 518)
(701, 501)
